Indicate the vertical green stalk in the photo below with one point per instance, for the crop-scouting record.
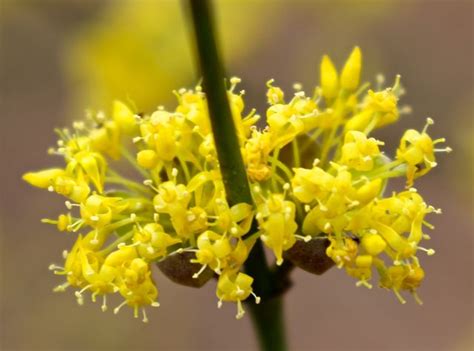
(225, 133)
(268, 316)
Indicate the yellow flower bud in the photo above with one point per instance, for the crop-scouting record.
(147, 159)
(43, 179)
(329, 78)
(350, 74)
(373, 244)
(124, 117)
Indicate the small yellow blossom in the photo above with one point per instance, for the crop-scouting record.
(235, 287)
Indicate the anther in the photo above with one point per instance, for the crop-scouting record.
(117, 309)
(297, 86)
(429, 122)
(257, 298)
(235, 80)
(196, 275)
(174, 172)
(145, 318)
(104, 304)
(94, 218)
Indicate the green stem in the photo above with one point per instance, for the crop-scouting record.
(268, 316)
(268, 320)
(232, 167)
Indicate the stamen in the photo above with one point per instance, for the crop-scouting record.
(429, 225)
(240, 310)
(149, 183)
(429, 122)
(95, 239)
(304, 238)
(257, 298)
(79, 297)
(399, 297)
(174, 173)
(446, 149)
(104, 303)
(435, 210)
(297, 86)
(145, 318)
(196, 275)
(380, 79)
(417, 298)
(135, 311)
(431, 163)
(364, 283)
(117, 309)
(61, 288)
(53, 267)
(429, 252)
(218, 268)
(405, 110)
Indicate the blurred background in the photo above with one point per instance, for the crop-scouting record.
(59, 57)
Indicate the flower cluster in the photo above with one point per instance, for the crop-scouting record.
(315, 174)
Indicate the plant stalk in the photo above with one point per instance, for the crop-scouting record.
(268, 316)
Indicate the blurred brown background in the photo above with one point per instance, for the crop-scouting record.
(430, 43)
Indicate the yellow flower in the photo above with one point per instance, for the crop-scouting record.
(359, 151)
(256, 152)
(153, 242)
(276, 219)
(417, 150)
(235, 287)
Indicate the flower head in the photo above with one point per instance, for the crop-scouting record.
(174, 210)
